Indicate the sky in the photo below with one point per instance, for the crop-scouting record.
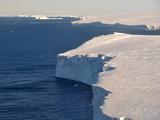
(75, 7)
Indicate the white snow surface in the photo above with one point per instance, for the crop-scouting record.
(146, 18)
(129, 86)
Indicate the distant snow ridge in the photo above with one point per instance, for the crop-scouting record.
(55, 17)
(85, 67)
(42, 17)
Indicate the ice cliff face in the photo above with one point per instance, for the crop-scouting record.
(83, 68)
(86, 69)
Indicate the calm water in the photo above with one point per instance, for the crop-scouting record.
(28, 87)
(28, 50)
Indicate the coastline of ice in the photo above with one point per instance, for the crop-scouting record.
(119, 92)
(130, 67)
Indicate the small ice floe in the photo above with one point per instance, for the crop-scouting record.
(105, 67)
(76, 85)
(118, 33)
(108, 67)
(11, 31)
(121, 118)
(124, 118)
(146, 49)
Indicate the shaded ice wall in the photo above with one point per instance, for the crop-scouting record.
(83, 68)
(86, 68)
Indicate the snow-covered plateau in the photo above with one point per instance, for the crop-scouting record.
(124, 72)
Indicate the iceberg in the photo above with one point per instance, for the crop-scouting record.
(123, 70)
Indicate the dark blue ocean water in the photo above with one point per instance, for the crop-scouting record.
(28, 50)
(28, 87)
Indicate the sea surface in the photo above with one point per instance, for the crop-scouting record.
(28, 51)
(28, 87)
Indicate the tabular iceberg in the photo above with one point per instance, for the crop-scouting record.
(123, 71)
